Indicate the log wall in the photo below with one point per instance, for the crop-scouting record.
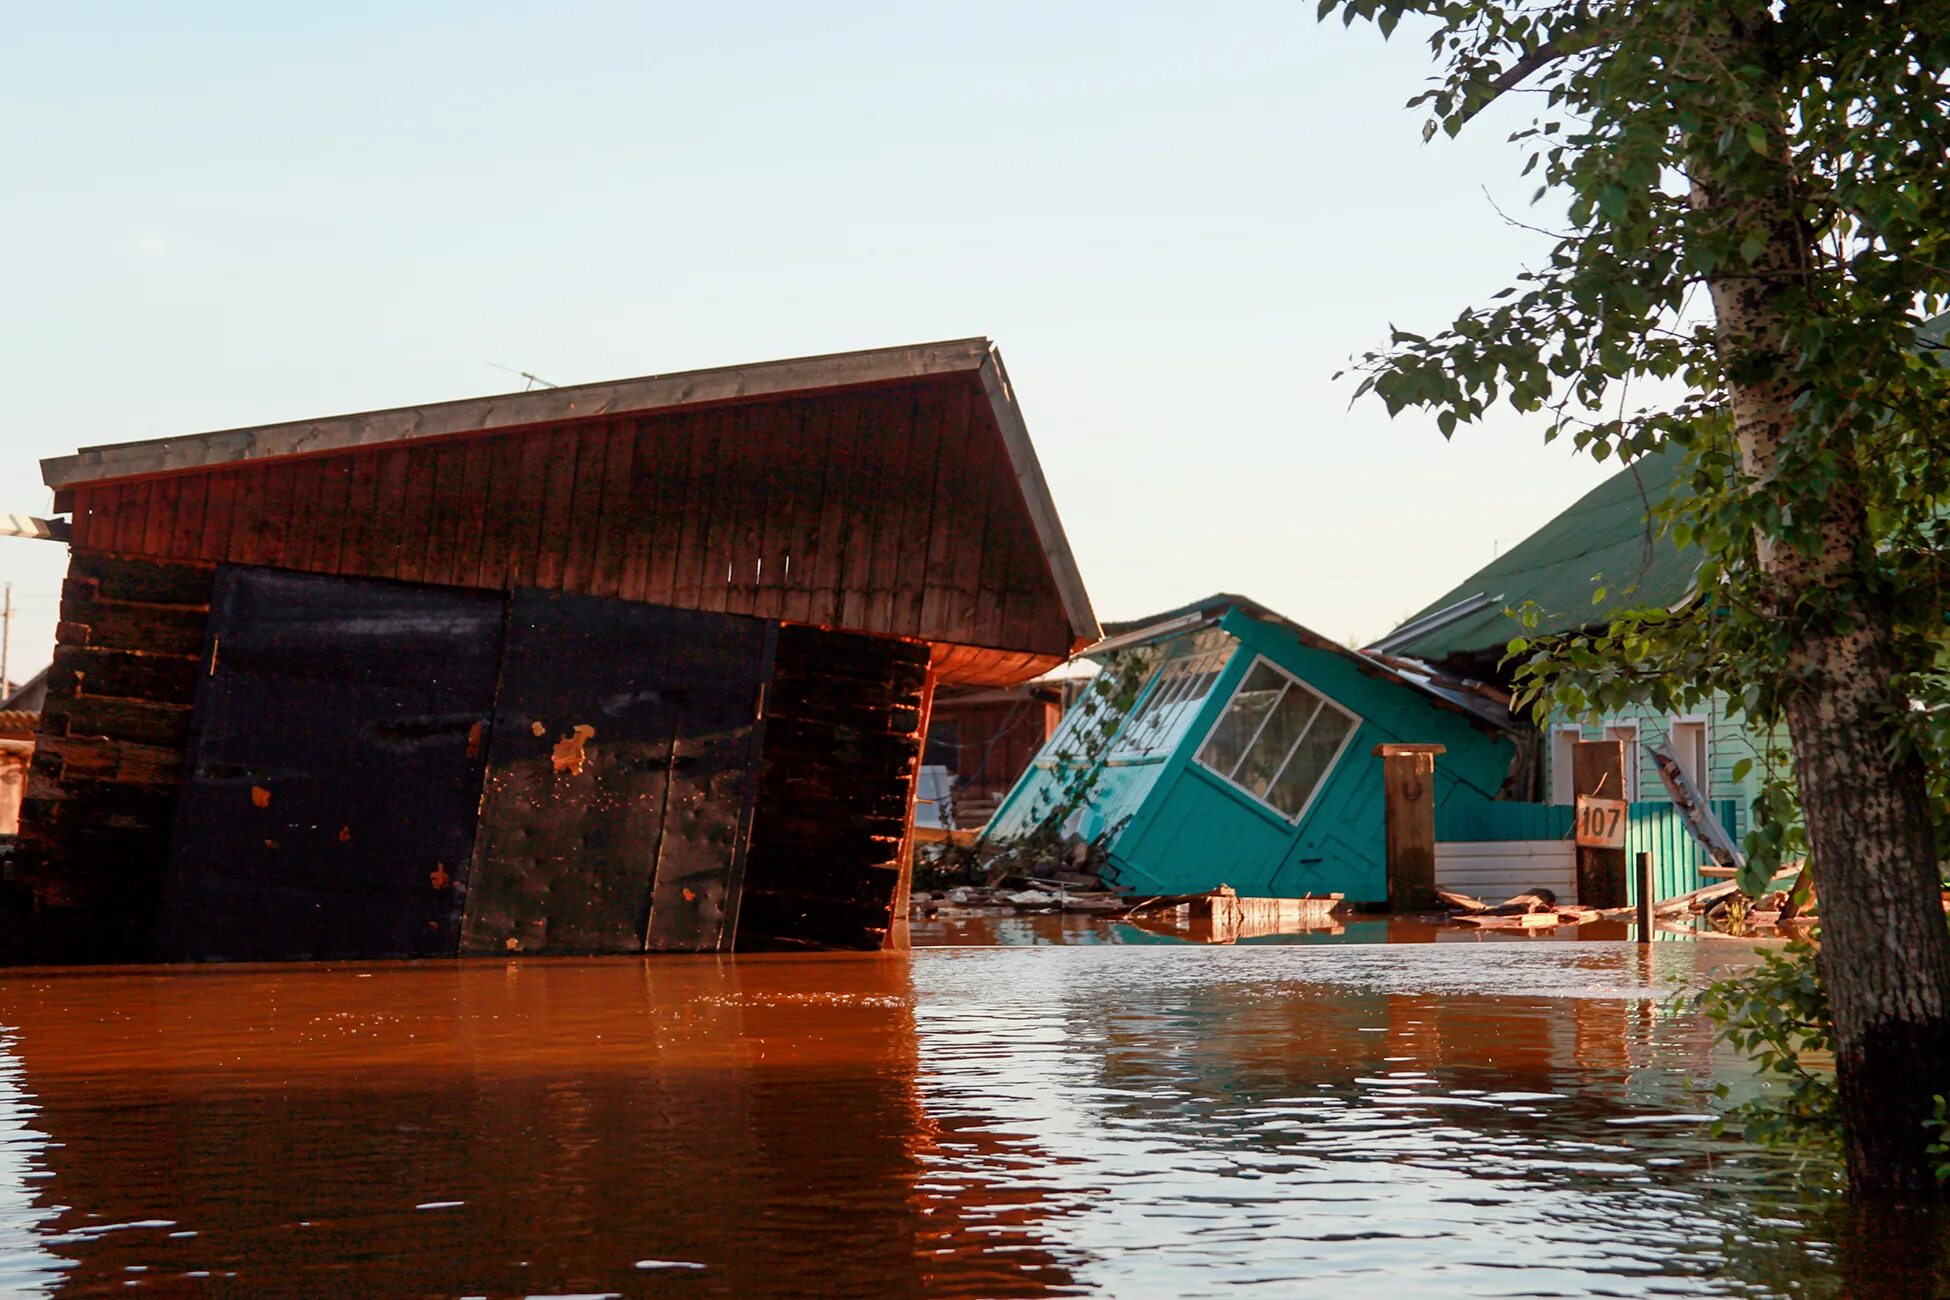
(101, 789)
(893, 510)
(843, 727)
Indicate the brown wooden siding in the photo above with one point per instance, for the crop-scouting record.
(891, 511)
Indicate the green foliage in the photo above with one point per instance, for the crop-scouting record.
(1777, 1016)
(1097, 715)
(1664, 169)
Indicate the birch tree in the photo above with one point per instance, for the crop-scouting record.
(1755, 213)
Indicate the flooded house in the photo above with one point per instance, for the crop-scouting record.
(1223, 744)
(629, 666)
(1601, 546)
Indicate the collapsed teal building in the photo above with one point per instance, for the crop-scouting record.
(1225, 744)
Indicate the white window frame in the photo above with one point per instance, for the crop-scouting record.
(1563, 775)
(1634, 757)
(1159, 719)
(1704, 777)
(1326, 702)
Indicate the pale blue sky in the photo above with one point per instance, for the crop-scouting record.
(1177, 221)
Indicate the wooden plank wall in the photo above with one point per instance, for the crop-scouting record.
(842, 739)
(892, 510)
(101, 792)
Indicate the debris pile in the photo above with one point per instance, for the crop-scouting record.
(1014, 895)
(1535, 909)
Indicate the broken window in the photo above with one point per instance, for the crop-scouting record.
(1172, 697)
(1277, 739)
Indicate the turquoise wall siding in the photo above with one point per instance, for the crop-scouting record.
(1194, 831)
(1467, 820)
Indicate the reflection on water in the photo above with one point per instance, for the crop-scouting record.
(1123, 1119)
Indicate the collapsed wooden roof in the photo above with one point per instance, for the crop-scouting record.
(892, 491)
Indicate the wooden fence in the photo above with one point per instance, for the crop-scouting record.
(1493, 850)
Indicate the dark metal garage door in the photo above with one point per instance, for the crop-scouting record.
(334, 772)
(619, 782)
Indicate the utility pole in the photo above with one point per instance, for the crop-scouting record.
(6, 640)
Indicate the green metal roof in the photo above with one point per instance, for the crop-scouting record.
(1601, 541)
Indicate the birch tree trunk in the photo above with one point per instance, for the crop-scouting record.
(1885, 946)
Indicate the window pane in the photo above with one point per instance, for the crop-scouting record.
(1283, 726)
(1308, 766)
(1235, 727)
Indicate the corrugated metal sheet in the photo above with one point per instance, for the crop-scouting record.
(1660, 829)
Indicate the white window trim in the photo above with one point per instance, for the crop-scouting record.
(1159, 720)
(1576, 731)
(1635, 768)
(1326, 702)
(1703, 778)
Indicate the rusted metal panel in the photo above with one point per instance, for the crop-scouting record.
(336, 751)
(619, 778)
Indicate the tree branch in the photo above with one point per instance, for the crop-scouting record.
(1562, 45)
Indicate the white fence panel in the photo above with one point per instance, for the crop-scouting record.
(1498, 869)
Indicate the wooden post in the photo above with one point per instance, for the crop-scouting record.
(1408, 781)
(899, 937)
(1645, 898)
(1598, 769)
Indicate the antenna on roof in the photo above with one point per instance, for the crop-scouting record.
(532, 379)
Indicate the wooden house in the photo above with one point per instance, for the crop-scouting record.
(628, 666)
(1225, 744)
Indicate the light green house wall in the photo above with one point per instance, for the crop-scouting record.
(1730, 741)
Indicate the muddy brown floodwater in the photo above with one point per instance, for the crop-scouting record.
(1074, 1108)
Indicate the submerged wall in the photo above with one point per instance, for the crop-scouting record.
(308, 768)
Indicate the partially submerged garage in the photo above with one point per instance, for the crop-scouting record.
(623, 667)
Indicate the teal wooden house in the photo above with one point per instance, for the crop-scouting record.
(1224, 744)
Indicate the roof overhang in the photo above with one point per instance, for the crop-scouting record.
(976, 358)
